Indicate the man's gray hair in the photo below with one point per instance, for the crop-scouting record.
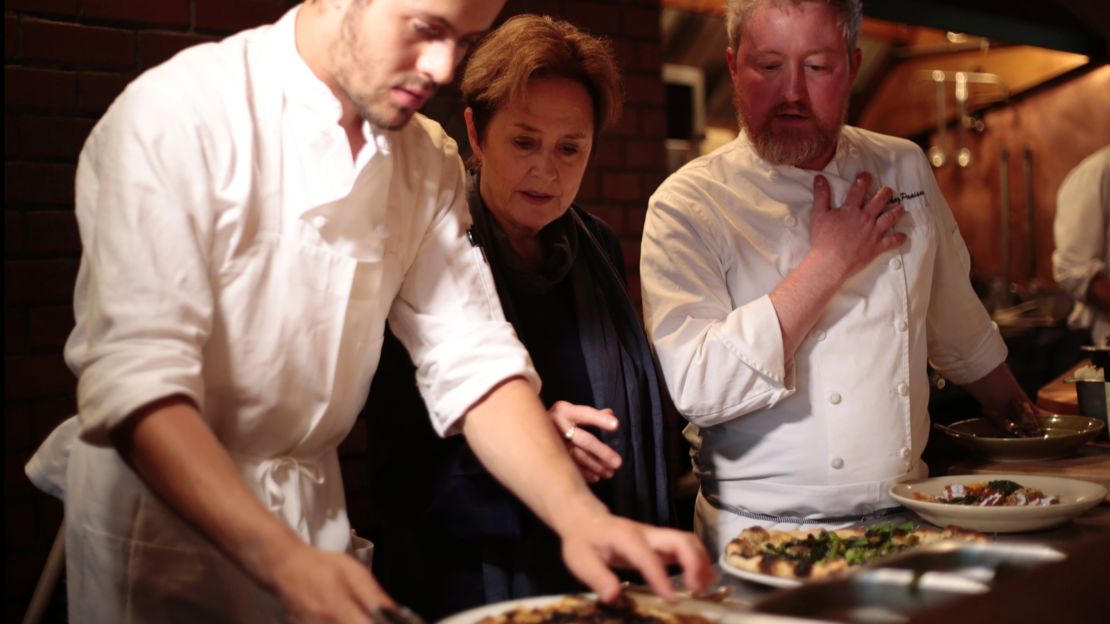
(848, 12)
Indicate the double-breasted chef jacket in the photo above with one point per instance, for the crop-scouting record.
(826, 433)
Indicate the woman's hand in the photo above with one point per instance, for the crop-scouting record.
(595, 460)
(596, 541)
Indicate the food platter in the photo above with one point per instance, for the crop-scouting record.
(769, 580)
(472, 616)
(1076, 497)
(1063, 435)
(712, 611)
(793, 558)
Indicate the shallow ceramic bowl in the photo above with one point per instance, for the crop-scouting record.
(1064, 434)
(1076, 497)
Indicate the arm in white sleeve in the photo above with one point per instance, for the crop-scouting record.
(448, 316)
(143, 297)
(963, 342)
(721, 359)
(1080, 228)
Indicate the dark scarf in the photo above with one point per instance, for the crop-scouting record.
(619, 360)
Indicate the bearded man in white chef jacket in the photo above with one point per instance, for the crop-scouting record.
(794, 336)
(251, 212)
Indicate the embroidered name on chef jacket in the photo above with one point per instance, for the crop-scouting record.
(904, 197)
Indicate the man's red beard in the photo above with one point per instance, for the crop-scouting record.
(790, 146)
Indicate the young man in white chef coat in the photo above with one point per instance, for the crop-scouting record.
(251, 212)
(792, 336)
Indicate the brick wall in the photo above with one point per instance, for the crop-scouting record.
(64, 62)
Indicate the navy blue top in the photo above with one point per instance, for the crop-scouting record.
(448, 536)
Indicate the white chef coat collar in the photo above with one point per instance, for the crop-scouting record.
(307, 89)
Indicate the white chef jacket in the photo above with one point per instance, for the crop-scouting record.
(234, 254)
(1082, 232)
(827, 433)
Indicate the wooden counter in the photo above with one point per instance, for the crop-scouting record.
(1058, 396)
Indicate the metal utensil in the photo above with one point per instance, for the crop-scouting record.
(395, 615)
(948, 430)
(995, 428)
(963, 153)
(937, 153)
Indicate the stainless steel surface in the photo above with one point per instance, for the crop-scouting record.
(963, 153)
(869, 597)
(903, 586)
(938, 154)
(975, 561)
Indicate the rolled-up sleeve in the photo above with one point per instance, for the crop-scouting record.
(144, 300)
(720, 360)
(448, 316)
(963, 342)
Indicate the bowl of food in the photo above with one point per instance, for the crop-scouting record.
(999, 503)
(1063, 435)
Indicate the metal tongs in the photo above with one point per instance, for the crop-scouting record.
(395, 615)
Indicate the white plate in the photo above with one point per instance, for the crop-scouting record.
(756, 577)
(1075, 497)
(721, 614)
(471, 616)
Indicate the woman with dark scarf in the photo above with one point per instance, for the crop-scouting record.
(538, 91)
